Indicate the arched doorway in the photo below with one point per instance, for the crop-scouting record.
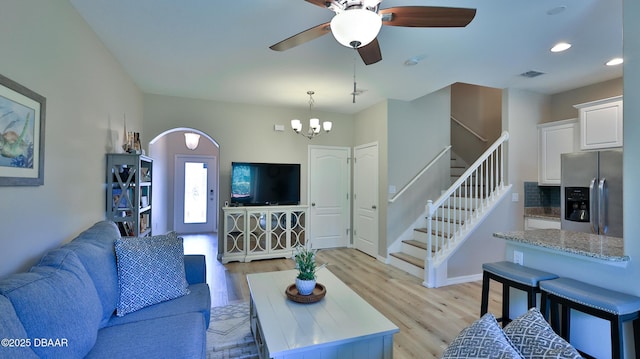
(185, 182)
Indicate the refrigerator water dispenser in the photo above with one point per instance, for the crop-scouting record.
(577, 204)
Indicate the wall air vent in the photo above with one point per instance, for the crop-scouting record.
(531, 74)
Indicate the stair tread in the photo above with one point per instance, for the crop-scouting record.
(409, 259)
(433, 232)
(416, 243)
(449, 220)
(458, 208)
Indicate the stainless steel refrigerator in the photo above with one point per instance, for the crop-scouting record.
(591, 192)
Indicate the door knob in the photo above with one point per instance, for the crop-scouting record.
(374, 206)
(313, 204)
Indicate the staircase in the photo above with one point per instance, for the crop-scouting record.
(452, 218)
(458, 166)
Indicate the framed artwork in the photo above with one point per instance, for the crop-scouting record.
(22, 116)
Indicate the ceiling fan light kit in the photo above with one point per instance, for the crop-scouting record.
(356, 24)
(355, 28)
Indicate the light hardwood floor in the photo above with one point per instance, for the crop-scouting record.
(428, 318)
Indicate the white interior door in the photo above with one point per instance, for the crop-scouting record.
(365, 194)
(195, 194)
(329, 197)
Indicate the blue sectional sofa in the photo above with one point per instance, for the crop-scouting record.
(69, 305)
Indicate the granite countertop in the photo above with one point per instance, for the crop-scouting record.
(584, 244)
(549, 213)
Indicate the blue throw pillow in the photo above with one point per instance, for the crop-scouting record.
(535, 339)
(482, 339)
(150, 271)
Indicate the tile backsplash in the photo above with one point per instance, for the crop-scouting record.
(541, 196)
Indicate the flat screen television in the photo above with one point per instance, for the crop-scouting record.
(264, 184)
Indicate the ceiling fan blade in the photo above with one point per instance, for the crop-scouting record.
(321, 3)
(427, 16)
(302, 37)
(370, 53)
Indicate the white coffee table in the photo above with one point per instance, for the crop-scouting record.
(341, 325)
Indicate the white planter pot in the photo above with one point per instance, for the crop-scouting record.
(305, 287)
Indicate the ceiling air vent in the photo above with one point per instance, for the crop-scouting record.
(531, 74)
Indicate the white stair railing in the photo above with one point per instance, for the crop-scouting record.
(453, 214)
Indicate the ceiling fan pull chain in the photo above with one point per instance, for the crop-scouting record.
(354, 78)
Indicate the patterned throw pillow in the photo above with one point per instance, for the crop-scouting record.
(150, 271)
(482, 339)
(534, 338)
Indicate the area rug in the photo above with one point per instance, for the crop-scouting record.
(229, 334)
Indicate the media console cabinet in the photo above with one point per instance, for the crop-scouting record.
(262, 232)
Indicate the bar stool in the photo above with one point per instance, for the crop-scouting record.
(606, 304)
(511, 275)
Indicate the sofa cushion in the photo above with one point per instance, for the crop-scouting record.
(56, 300)
(197, 301)
(535, 339)
(95, 248)
(14, 337)
(482, 339)
(195, 266)
(150, 271)
(179, 336)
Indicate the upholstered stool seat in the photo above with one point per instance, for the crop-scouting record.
(616, 307)
(511, 275)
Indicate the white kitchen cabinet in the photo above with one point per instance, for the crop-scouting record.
(601, 123)
(540, 223)
(554, 139)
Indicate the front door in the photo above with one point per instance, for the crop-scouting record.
(365, 172)
(195, 209)
(329, 196)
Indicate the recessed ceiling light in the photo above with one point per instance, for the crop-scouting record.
(556, 10)
(561, 46)
(615, 61)
(411, 62)
(531, 74)
(414, 60)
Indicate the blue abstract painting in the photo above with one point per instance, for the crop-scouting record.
(17, 132)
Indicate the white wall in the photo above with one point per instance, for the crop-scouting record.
(47, 47)
(481, 247)
(417, 132)
(244, 132)
(522, 111)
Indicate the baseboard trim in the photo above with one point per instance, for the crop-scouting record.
(464, 279)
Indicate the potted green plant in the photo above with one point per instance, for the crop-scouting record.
(306, 265)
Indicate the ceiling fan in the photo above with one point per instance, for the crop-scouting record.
(357, 23)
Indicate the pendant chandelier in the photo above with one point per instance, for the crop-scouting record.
(314, 123)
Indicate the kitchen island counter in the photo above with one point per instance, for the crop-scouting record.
(605, 248)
